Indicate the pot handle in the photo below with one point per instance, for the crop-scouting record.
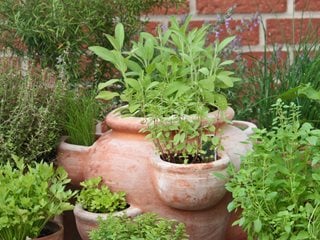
(243, 124)
(134, 211)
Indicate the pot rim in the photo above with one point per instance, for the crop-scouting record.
(82, 214)
(69, 146)
(56, 233)
(217, 165)
(116, 121)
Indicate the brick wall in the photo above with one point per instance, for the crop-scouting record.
(283, 21)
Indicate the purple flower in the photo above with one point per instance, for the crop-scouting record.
(217, 34)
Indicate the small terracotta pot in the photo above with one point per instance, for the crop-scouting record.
(189, 186)
(87, 221)
(72, 158)
(54, 227)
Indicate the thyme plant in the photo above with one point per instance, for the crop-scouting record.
(30, 110)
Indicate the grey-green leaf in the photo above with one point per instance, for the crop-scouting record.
(119, 34)
(106, 95)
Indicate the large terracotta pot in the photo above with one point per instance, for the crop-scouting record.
(190, 186)
(56, 230)
(87, 221)
(235, 232)
(122, 157)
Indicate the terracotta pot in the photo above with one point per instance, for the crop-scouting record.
(71, 156)
(121, 156)
(235, 232)
(55, 228)
(189, 186)
(87, 221)
(248, 129)
(101, 128)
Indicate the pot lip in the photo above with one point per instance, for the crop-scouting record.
(218, 165)
(80, 213)
(65, 145)
(116, 121)
(58, 232)
(248, 126)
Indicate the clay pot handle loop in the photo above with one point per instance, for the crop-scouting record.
(243, 124)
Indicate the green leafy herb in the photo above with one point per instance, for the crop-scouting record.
(167, 78)
(98, 198)
(278, 184)
(56, 33)
(147, 226)
(29, 197)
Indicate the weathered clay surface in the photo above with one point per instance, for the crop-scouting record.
(189, 186)
(122, 156)
(72, 158)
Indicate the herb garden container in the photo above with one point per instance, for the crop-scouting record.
(122, 156)
(190, 186)
(87, 221)
(72, 157)
(174, 81)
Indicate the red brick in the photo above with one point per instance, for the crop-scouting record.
(182, 8)
(292, 31)
(249, 35)
(9, 38)
(273, 59)
(151, 27)
(242, 6)
(307, 5)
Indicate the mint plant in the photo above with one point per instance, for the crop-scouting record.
(167, 78)
(30, 196)
(98, 198)
(278, 184)
(148, 226)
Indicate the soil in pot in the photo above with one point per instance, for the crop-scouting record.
(51, 231)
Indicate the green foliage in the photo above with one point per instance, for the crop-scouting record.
(275, 76)
(29, 197)
(278, 184)
(98, 198)
(147, 226)
(56, 33)
(167, 77)
(81, 111)
(30, 109)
